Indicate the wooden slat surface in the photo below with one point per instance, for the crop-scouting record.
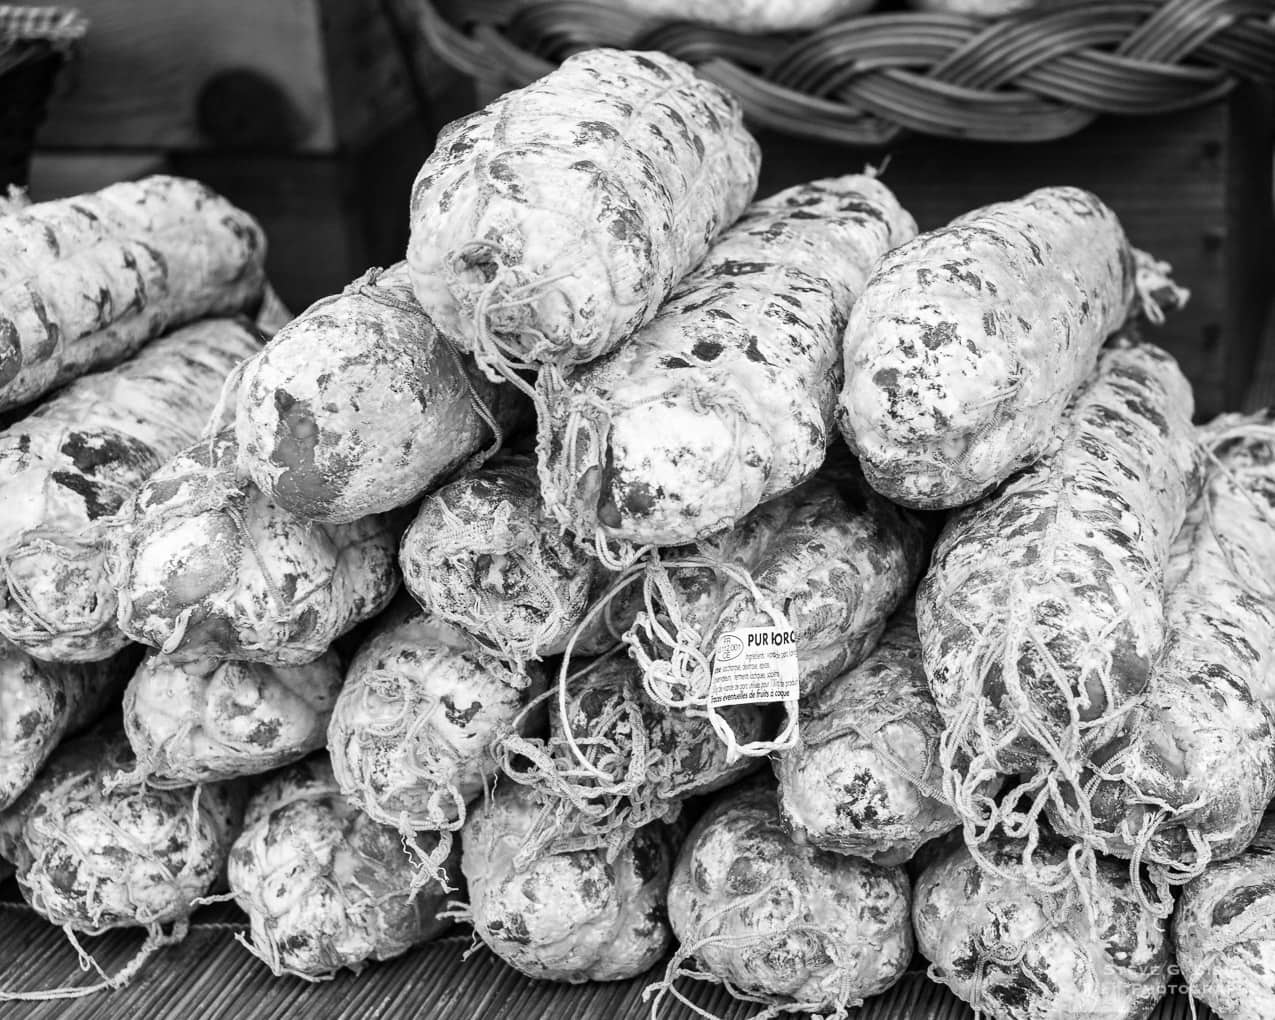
(211, 977)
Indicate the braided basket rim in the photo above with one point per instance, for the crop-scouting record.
(867, 79)
(21, 23)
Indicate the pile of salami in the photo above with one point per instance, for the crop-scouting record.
(659, 579)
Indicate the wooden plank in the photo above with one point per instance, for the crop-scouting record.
(60, 174)
(1188, 188)
(212, 977)
(309, 76)
(326, 218)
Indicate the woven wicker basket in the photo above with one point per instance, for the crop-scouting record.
(34, 43)
(863, 80)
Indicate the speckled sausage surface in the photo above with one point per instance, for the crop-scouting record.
(864, 778)
(967, 343)
(42, 702)
(209, 567)
(323, 885)
(789, 923)
(563, 213)
(1224, 932)
(210, 720)
(483, 554)
(94, 859)
(1015, 953)
(411, 737)
(832, 555)
(683, 756)
(651, 759)
(69, 466)
(726, 398)
(86, 281)
(357, 405)
(1195, 766)
(569, 917)
(1050, 592)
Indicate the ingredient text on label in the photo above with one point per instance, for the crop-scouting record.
(755, 665)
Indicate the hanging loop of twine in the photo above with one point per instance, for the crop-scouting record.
(680, 676)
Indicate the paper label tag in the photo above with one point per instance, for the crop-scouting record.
(755, 665)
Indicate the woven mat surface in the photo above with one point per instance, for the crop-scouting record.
(211, 977)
